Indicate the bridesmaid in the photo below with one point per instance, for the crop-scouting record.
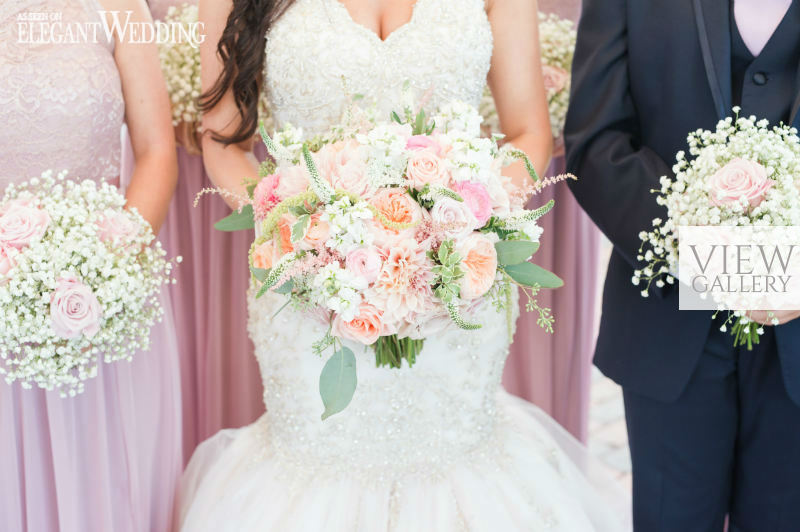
(553, 371)
(108, 459)
(219, 376)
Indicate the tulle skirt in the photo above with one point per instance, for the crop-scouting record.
(534, 476)
(107, 460)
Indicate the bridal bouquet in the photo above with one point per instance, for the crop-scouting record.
(391, 231)
(557, 38)
(743, 176)
(180, 63)
(79, 280)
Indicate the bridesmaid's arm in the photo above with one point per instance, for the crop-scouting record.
(516, 81)
(227, 166)
(149, 119)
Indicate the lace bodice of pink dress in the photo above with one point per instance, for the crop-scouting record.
(47, 86)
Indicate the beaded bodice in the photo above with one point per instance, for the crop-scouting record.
(61, 105)
(402, 421)
(317, 57)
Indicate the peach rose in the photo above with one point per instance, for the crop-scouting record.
(398, 207)
(263, 255)
(293, 180)
(317, 233)
(365, 328)
(74, 309)
(555, 78)
(479, 262)
(365, 263)
(426, 168)
(21, 222)
(285, 233)
(737, 180)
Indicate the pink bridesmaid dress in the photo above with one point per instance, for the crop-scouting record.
(219, 375)
(553, 370)
(109, 459)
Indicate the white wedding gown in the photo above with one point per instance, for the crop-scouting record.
(437, 447)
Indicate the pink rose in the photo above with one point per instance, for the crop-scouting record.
(425, 167)
(343, 164)
(265, 196)
(479, 262)
(74, 309)
(21, 223)
(7, 262)
(423, 142)
(555, 78)
(477, 199)
(293, 180)
(115, 227)
(454, 217)
(737, 180)
(365, 262)
(365, 328)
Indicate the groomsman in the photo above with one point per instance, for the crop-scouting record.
(714, 431)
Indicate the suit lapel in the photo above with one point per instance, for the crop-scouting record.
(795, 115)
(713, 27)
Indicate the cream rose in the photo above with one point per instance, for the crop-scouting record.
(365, 263)
(116, 227)
(479, 262)
(738, 180)
(454, 217)
(293, 180)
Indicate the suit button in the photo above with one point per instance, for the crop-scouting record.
(760, 78)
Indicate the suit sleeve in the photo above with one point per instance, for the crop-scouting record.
(615, 172)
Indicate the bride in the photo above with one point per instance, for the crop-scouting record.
(439, 446)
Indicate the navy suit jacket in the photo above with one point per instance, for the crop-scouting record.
(645, 74)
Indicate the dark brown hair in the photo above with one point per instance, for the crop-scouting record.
(241, 49)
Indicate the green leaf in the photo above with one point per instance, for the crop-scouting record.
(514, 251)
(529, 274)
(237, 220)
(396, 117)
(337, 382)
(285, 288)
(259, 273)
(419, 127)
(299, 227)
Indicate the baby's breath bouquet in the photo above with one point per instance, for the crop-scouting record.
(80, 278)
(557, 38)
(180, 63)
(742, 175)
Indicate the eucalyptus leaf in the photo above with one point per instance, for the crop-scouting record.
(299, 228)
(285, 288)
(529, 274)
(237, 220)
(259, 273)
(514, 251)
(337, 382)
